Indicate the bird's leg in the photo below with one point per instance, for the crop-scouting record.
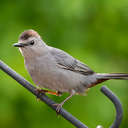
(59, 106)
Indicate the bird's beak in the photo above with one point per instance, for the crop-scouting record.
(18, 45)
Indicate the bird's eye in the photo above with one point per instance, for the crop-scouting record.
(32, 42)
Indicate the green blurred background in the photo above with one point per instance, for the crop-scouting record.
(93, 31)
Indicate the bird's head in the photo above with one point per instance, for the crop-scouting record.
(30, 42)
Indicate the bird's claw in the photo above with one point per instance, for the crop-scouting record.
(58, 107)
(39, 91)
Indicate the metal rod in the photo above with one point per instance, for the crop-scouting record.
(119, 111)
(42, 97)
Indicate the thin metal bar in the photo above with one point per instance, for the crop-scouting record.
(119, 111)
(43, 97)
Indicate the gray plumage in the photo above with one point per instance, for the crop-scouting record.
(59, 71)
(55, 69)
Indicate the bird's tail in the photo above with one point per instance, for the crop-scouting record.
(101, 77)
(107, 76)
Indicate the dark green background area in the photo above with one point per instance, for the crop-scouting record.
(93, 31)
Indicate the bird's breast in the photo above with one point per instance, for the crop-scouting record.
(44, 72)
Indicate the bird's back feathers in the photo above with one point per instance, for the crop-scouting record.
(66, 61)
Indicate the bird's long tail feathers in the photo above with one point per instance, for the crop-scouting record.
(107, 76)
(101, 77)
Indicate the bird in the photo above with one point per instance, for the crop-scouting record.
(55, 70)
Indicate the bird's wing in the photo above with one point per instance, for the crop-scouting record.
(64, 60)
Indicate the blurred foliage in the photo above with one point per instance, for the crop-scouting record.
(93, 31)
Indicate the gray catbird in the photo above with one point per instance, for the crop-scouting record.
(56, 70)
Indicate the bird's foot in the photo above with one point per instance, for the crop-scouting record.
(58, 107)
(39, 91)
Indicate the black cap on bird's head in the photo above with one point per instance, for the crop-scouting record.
(25, 36)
